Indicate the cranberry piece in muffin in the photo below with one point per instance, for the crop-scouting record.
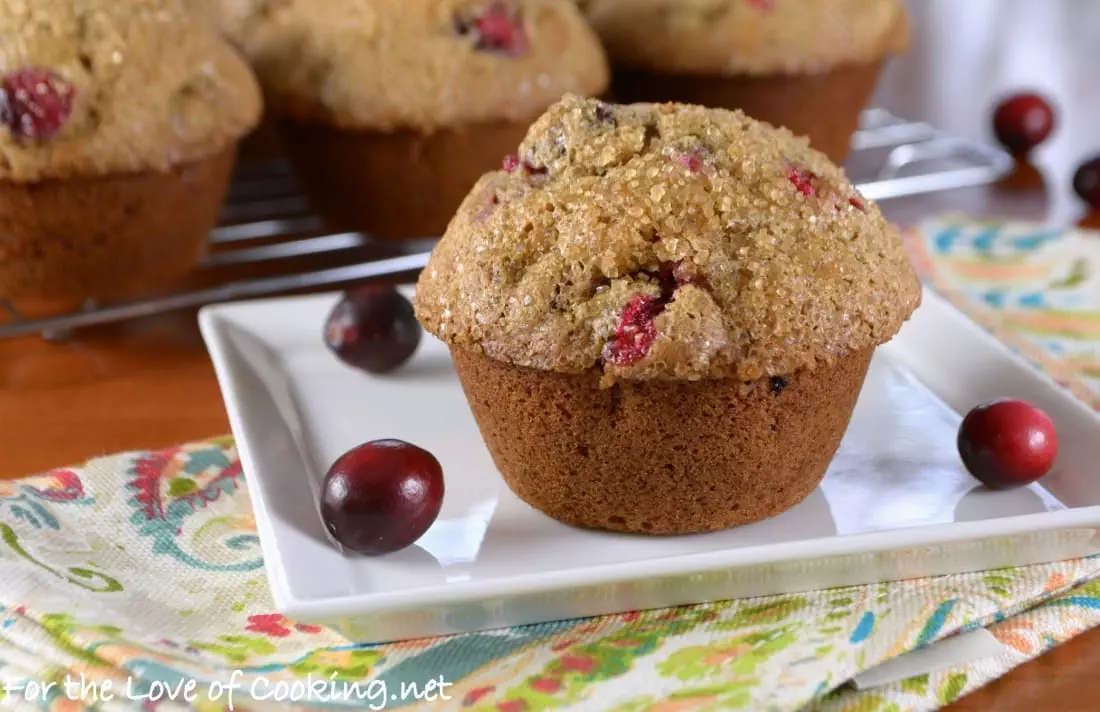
(636, 331)
(802, 180)
(499, 28)
(35, 103)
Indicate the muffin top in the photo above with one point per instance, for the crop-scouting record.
(95, 87)
(423, 64)
(666, 242)
(747, 37)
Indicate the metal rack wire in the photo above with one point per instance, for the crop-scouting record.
(267, 220)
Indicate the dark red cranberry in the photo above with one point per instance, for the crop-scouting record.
(802, 180)
(373, 328)
(1086, 182)
(1023, 121)
(35, 103)
(1007, 443)
(498, 29)
(382, 496)
(857, 202)
(636, 331)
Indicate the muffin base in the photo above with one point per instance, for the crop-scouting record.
(826, 106)
(403, 184)
(660, 457)
(108, 235)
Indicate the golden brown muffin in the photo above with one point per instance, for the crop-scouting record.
(393, 108)
(808, 65)
(119, 125)
(663, 314)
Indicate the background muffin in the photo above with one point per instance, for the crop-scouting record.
(663, 315)
(393, 108)
(228, 17)
(120, 121)
(808, 65)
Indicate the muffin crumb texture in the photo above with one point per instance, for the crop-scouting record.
(746, 37)
(106, 87)
(666, 242)
(423, 64)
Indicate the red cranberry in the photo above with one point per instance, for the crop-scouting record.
(857, 202)
(763, 5)
(1023, 121)
(498, 29)
(1007, 443)
(373, 328)
(802, 180)
(382, 496)
(511, 162)
(1086, 182)
(636, 331)
(35, 103)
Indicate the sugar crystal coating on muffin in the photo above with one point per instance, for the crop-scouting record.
(666, 242)
(390, 64)
(716, 37)
(98, 87)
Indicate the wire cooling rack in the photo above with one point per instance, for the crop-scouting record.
(266, 222)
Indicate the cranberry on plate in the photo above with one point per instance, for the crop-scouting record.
(1007, 443)
(380, 497)
(373, 328)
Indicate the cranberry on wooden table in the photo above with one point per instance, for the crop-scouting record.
(1007, 443)
(380, 497)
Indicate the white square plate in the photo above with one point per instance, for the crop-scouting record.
(896, 502)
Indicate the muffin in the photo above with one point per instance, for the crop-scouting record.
(392, 109)
(120, 122)
(807, 65)
(663, 314)
(264, 142)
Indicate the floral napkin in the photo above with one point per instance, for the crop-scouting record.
(135, 582)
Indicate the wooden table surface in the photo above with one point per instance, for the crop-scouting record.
(150, 384)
